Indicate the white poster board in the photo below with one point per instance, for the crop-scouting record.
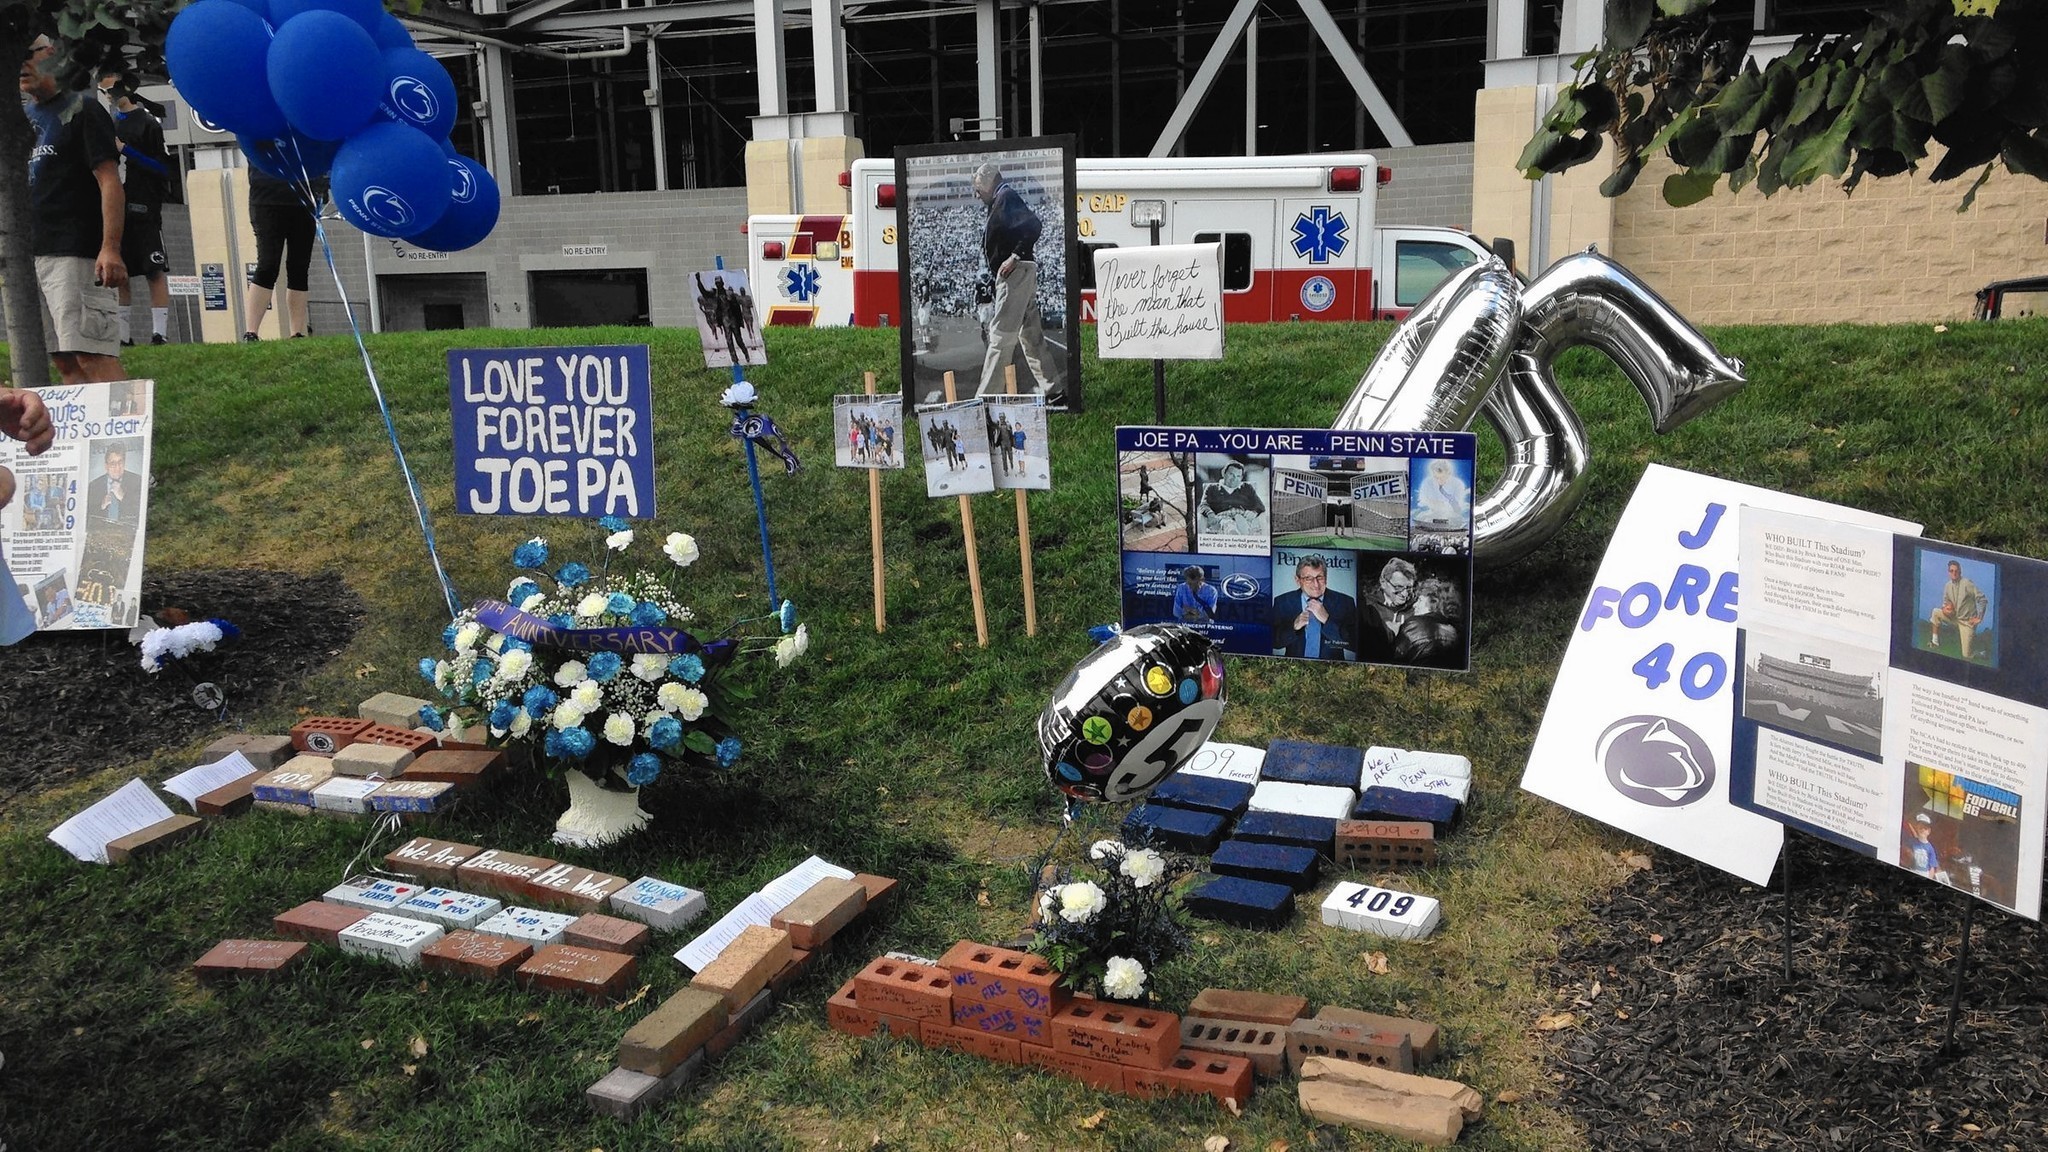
(1159, 303)
(1639, 729)
(73, 535)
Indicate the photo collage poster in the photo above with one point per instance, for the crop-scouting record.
(73, 534)
(1314, 544)
(1893, 697)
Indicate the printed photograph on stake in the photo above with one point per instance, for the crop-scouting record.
(1156, 500)
(987, 232)
(1340, 502)
(1815, 688)
(1232, 514)
(728, 324)
(866, 431)
(1016, 442)
(954, 439)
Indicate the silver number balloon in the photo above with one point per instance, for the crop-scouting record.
(1443, 359)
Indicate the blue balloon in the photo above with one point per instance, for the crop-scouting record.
(391, 180)
(216, 51)
(293, 159)
(364, 12)
(388, 33)
(472, 210)
(418, 91)
(326, 74)
(260, 7)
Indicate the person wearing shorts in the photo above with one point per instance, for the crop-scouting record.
(284, 234)
(76, 216)
(145, 180)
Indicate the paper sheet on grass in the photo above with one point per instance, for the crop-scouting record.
(131, 808)
(757, 909)
(193, 783)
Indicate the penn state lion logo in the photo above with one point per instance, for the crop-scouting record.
(413, 100)
(386, 207)
(465, 184)
(1656, 761)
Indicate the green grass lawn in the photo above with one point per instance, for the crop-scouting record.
(910, 753)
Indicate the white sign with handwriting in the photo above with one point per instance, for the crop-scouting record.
(1161, 303)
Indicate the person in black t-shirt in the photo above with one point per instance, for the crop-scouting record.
(284, 232)
(76, 213)
(145, 180)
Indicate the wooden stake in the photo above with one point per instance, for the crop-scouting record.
(875, 527)
(1023, 531)
(973, 558)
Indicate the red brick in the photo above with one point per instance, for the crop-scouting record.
(971, 1041)
(1251, 1007)
(1265, 1045)
(1382, 844)
(844, 1013)
(505, 873)
(316, 920)
(1194, 1073)
(1137, 1037)
(585, 971)
(1003, 978)
(608, 934)
(1002, 1020)
(881, 890)
(235, 959)
(324, 735)
(395, 738)
(434, 861)
(920, 992)
(813, 918)
(153, 839)
(801, 961)
(1422, 1036)
(462, 768)
(667, 1036)
(1096, 1073)
(230, 799)
(574, 889)
(476, 955)
(1379, 1048)
(742, 970)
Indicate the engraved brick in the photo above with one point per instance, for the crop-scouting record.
(230, 799)
(1265, 1045)
(1423, 1037)
(448, 908)
(568, 886)
(503, 872)
(239, 959)
(1379, 845)
(1003, 1020)
(392, 938)
(672, 1033)
(462, 768)
(1088, 1070)
(742, 1022)
(624, 1094)
(413, 796)
(1380, 1048)
(997, 978)
(1422, 1119)
(608, 934)
(531, 925)
(262, 752)
(326, 735)
(1139, 1037)
(813, 918)
(317, 921)
(477, 955)
(344, 796)
(392, 710)
(154, 839)
(360, 759)
(579, 971)
(293, 781)
(1227, 1078)
(972, 1041)
(370, 893)
(908, 989)
(742, 969)
(434, 861)
(658, 903)
(1254, 1007)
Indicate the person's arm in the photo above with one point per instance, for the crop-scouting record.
(109, 269)
(23, 417)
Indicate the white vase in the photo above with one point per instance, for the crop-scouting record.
(597, 815)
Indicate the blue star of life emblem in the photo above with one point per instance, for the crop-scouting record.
(1320, 234)
(800, 283)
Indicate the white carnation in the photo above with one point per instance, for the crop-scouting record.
(515, 664)
(670, 696)
(1123, 979)
(521, 724)
(591, 606)
(618, 728)
(1103, 849)
(690, 702)
(441, 672)
(649, 666)
(619, 541)
(570, 674)
(681, 547)
(533, 602)
(467, 636)
(1143, 866)
(567, 715)
(587, 695)
(792, 646)
(1080, 901)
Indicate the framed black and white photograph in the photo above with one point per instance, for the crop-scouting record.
(727, 323)
(985, 269)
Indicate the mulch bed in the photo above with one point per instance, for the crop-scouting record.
(1688, 1037)
(75, 702)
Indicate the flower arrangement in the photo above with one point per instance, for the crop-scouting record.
(183, 640)
(592, 669)
(1109, 937)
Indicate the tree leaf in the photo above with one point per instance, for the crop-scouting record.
(698, 740)
(1628, 20)
(1684, 189)
(1622, 178)
(2026, 155)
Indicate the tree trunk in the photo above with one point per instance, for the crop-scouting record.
(19, 298)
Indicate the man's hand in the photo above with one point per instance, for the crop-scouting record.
(109, 270)
(23, 417)
(1322, 614)
(1009, 262)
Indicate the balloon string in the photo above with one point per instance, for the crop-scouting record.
(412, 485)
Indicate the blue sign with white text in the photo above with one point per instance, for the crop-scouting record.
(553, 431)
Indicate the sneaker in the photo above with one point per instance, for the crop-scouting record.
(298, 335)
(248, 337)
(127, 343)
(159, 338)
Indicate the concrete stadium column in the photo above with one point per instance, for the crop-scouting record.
(500, 107)
(987, 55)
(771, 163)
(1507, 29)
(828, 55)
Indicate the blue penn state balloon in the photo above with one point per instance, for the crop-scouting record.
(216, 51)
(418, 91)
(391, 180)
(389, 33)
(326, 74)
(260, 7)
(294, 159)
(472, 210)
(365, 13)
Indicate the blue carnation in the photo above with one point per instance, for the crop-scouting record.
(483, 670)
(574, 574)
(427, 668)
(521, 591)
(666, 733)
(619, 604)
(648, 614)
(539, 701)
(562, 620)
(788, 616)
(689, 669)
(515, 644)
(643, 770)
(551, 744)
(448, 636)
(602, 666)
(613, 523)
(532, 554)
(430, 717)
(728, 751)
(227, 630)
(577, 742)
(503, 715)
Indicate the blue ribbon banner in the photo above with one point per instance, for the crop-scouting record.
(502, 617)
(553, 431)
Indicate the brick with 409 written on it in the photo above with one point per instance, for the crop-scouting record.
(475, 955)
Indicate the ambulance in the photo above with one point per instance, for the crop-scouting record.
(1299, 235)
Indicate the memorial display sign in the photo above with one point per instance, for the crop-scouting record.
(74, 533)
(554, 431)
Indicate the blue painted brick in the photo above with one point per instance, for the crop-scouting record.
(1203, 794)
(1300, 762)
(1247, 903)
(1287, 864)
(1317, 832)
(1395, 804)
(1175, 828)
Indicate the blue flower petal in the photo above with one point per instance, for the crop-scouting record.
(602, 666)
(728, 751)
(643, 770)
